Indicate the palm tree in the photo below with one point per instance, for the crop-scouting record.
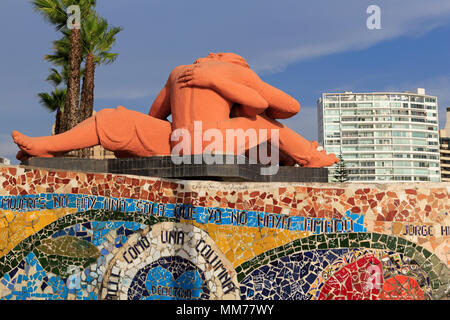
(55, 11)
(54, 101)
(98, 40)
(60, 57)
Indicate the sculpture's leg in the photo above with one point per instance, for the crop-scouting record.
(83, 135)
(291, 144)
(128, 133)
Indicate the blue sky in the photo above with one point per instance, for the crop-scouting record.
(302, 47)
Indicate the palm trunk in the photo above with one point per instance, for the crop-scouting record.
(71, 109)
(87, 94)
(58, 120)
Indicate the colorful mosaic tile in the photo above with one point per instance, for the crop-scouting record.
(74, 235)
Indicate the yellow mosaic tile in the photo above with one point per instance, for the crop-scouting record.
(240, 244)
(17, 226)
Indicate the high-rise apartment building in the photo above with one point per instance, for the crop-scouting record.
(444, 139)
(383, 136)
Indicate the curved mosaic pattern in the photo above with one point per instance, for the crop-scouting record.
(359, 280)
(169, 278)
(68, 235)
(425, 266)
(288, 278)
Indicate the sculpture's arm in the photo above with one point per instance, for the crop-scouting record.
(250, 101)
(248, 90)
(281, 105)
(160, 108)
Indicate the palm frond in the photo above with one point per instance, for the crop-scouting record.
(98, 38)
(54, 100)
(55, 77)
(52, 10)
(55, 11)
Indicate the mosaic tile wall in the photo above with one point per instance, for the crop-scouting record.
(69, 235)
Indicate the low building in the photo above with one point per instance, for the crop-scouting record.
(4, 161)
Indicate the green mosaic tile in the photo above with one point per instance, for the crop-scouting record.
(435, 284)
(434, 259)
(426, 254)
(383, 238)
(246, 265)
(354, 244)
(444, 273)
(432, 275)
(342, 235)
(333, 243)
(273, 257)
(427, 267)
(400, 248)
(320, 238)
(312, 240)
(365, 244)
(343, 243)
(297, 243)
(375, 237)
(363, 236)
(377, 246)
(409, 251)
(419, 258)
(392, 243)
(353, 236)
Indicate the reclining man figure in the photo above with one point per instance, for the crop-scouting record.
(220, 91)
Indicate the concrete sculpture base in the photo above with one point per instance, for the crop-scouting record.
(163, 166)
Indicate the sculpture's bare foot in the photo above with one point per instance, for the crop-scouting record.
(321, 159)
(31, 147)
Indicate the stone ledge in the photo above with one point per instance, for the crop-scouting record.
(163, 167)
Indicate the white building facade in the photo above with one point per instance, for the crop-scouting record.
(444, 137)
(382, 136)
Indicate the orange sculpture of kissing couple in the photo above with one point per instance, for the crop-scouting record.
(219, 91)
